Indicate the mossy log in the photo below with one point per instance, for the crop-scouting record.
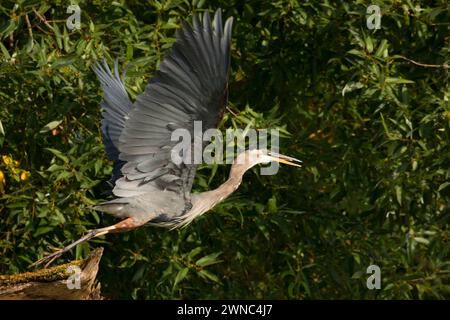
(71, 281)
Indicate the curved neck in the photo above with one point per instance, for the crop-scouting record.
(234, 180)
(228, 187)
(202, 202)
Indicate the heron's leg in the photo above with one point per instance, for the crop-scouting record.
(122, 226)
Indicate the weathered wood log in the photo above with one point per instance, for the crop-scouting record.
(72, 281)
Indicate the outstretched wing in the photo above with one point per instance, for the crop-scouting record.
(190, 85)
(115, 107)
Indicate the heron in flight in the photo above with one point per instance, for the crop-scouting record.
(190, 85)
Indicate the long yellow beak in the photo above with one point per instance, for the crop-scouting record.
(285, 159)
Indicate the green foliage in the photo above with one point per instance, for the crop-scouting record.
(367, 110)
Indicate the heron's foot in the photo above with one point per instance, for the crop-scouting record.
(48, 259)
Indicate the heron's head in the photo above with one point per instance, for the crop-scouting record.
(253, 157)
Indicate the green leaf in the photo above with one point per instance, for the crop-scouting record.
(398, 194)
(50, 126)
(382, 48)
(42, 230)
(180, 276)
(398, 80)
(272, 205)
(64, 61)
(357, 53)
(58, 36)
(209, 275)
(129, 52)
(369, 44)
(8, 28)
(208, 260)
(5, 51)
(422, 240)
(58, 154)
(351, 86)
(383, 122)
(194, 252)
(63, 176)
(443, 186)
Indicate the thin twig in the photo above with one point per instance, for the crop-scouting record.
(30, 30)
(425, 65)
(42, 19)
(44, 31)
(231, 111)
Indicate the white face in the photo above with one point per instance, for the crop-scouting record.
(263, 157)
(253, 157)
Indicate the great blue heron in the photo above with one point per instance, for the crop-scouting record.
(190, 85)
